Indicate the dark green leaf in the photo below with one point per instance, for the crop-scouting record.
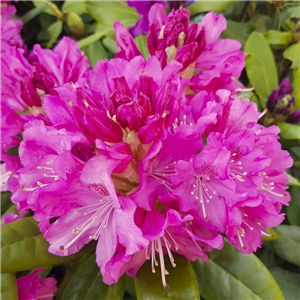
(24, 248)
(106, 12)
(293, 210)
(230, 274)
(238, 31)
(87, 284)
(54, 31)
(289, 282)
(33, 13)
(288, 244)
(204, 6)
(260, 66)
(181, 281)
(275, 37)
(129, 285)
(296, 88)
(292, 53)
(5, 201)
(289, 131)
(141, 42)
(9, 289)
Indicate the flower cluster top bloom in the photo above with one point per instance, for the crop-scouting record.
(147, 157)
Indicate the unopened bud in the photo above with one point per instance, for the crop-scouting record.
(74, 23)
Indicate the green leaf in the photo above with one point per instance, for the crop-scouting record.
(289, 131)
(95, 52)
(292, 53)
(204, 6)
(181, 281)
(24, 248)
(87, 284)
(275, 37)
(293, 181)
(110, 44)
(9, 290)
(237, 31)
(293, 210)
(288, 244)
(141, 42)
(54, 31)
(230, 274)
(288, 282)
(38, 4)
(99, 33)
(296, 88)
(74, 6)
(260, 66)
(33, 13)
(106, 12)
(5, 201)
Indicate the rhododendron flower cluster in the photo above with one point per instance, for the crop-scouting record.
(148, 157)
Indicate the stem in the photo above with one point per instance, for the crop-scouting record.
(240, 17)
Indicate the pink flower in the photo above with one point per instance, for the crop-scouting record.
(10, 29)
(33, 286)
(196, 48)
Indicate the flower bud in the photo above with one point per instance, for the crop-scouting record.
(74, 23)
(294, 118)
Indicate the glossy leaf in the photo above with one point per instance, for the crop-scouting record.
(238, 31)
(230, 274)
(204, 6)
(289, 131)
(288, 282)
(107, 12)
(87, 284)
(260, 66)
(181, 281)
(296, 88)
(293, 210)
(288, 244)
(51, 10)
(292, 53)
(275, 37)
(24, 248)
(9, 290)
(54, 31)
(33, 13)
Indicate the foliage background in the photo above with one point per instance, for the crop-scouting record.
(269, 32)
